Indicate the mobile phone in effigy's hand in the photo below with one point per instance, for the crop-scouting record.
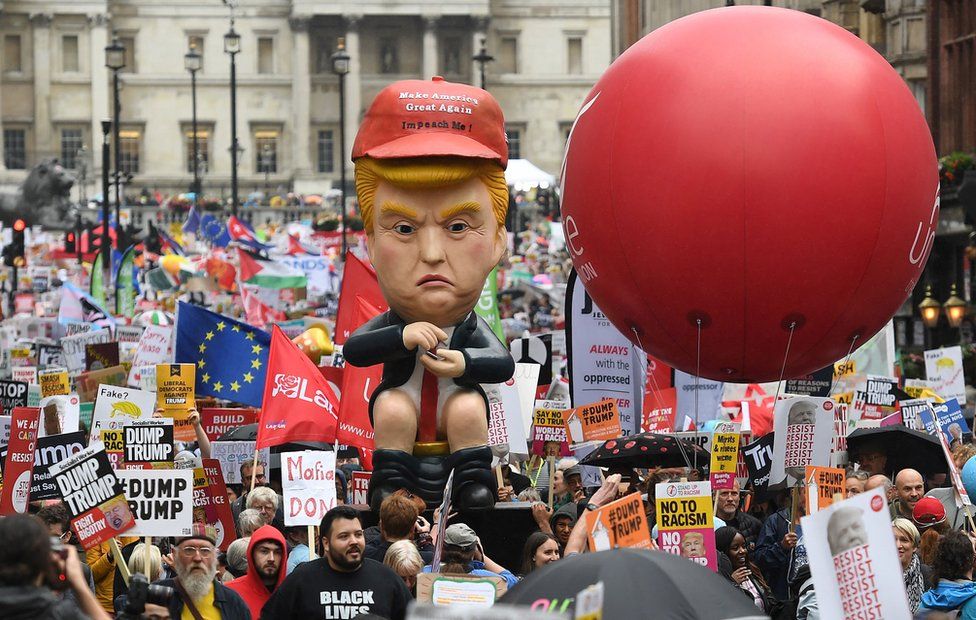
(432, 353)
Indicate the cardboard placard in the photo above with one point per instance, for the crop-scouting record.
(948, 416)
(853, 560)
(13, 394)
(19, 463)
(27, 374)
(308, 486)
(724, 456)
(114, 406)
(59, 414)
(160, 500)
(217, 507)
(231, 454)
(547, 426)
(93, 496)
(216, 421)
(360, 486)
(685, 521)
(87, 383)
(50, 450)
(621, 523)
(659, 410)
(153, 348)
(595, 422)
(448, 590)
(803, 436)
(101, 355)
(816, 383)
(73, 347)
(944, 373)
(505, 429)
(822, 484)
(175, 395)
(54, 383)
(148, 441)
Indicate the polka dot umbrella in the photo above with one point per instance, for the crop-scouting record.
(646, 451)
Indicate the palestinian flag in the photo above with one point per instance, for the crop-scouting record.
(268, 273)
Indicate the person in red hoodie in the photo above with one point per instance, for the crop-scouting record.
(267, 557)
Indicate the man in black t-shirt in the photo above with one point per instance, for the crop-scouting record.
(343, 584)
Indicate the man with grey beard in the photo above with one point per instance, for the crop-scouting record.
(195, 561)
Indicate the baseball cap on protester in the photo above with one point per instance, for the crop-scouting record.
(200, 531)
(928, 511)
(573, 470)
(460, 535)
(419, 118)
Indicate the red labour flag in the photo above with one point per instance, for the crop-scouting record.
(299, 404)
(358, 384)
(358, 281)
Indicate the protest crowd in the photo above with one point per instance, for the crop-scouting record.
(432, 417)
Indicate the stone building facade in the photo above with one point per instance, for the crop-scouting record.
(55, 88)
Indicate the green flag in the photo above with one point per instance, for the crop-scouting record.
(96, 287)
(487, 307)
(125, 286)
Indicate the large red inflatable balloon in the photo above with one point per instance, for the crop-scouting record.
(749, 169)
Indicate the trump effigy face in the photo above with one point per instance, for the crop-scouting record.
(432, 249)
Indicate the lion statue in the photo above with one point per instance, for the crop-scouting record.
(43, 198)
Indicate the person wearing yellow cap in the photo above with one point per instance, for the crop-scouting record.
(430, 159)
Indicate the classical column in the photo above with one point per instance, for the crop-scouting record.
(98, 39)
(41, 39)
(354, 87)
(479, 32)
(300, 95)
(430, 45)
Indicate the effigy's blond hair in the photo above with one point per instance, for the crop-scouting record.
(422, 172)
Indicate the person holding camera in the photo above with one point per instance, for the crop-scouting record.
(32, 568)
(195, 561)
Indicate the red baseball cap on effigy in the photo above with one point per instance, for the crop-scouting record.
(417, 118)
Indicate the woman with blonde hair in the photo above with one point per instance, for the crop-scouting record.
(914, 572)
(405, 560)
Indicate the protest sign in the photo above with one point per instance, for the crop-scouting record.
(12, 394)
(594, 422)
(822, 484)
(59, 414)
(603, 363)
(535, 350)
(951, 422)
(759, 461)
(27, 374)
(175, 396)
(93, 495)
(360, 487)
(19, 462)
(20, 357)
(803, 436)
(548, 427)
(526, 382)
(114, 406)
(621, 523)
(148, 441)
(217, 421)
(816, 383)
(944, 373)
(130, 334)
(709, 397)
(911, 412)
(879, 397)
(470, 596)
(101, 355)
(87, 383)
(49, 355)
(73, 347)
(505, 428)
(153, 349)
(853, 559)
(685, 521)
(660, 407)
(50, 450)
(4, 430)
(53, 382)
(725, 456)
(308, 486)
(160, 500)
(217, 508)
(232, 454)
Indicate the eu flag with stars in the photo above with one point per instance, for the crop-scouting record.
(231, 357)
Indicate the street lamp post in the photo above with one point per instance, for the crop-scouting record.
(482, 58)
(232, 46)
(192, 61)
(340, 66)
(266, 164)
(115, 60)
(106, 242)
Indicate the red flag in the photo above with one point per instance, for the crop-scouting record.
(358, 384)
(358, 280)
(256, 311)
(298, 403)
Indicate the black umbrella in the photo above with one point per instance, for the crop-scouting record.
(905, 448)
(249, 432)
(637, 584)
(646, 451)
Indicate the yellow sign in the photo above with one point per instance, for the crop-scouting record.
(725, 457)
(842, 369)
(175, 396)
(54, 383)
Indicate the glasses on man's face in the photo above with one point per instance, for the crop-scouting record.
(189, 552)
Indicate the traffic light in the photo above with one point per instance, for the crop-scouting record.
(69, 242)
(14, 253)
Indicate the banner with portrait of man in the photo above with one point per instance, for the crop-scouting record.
(803, 435)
